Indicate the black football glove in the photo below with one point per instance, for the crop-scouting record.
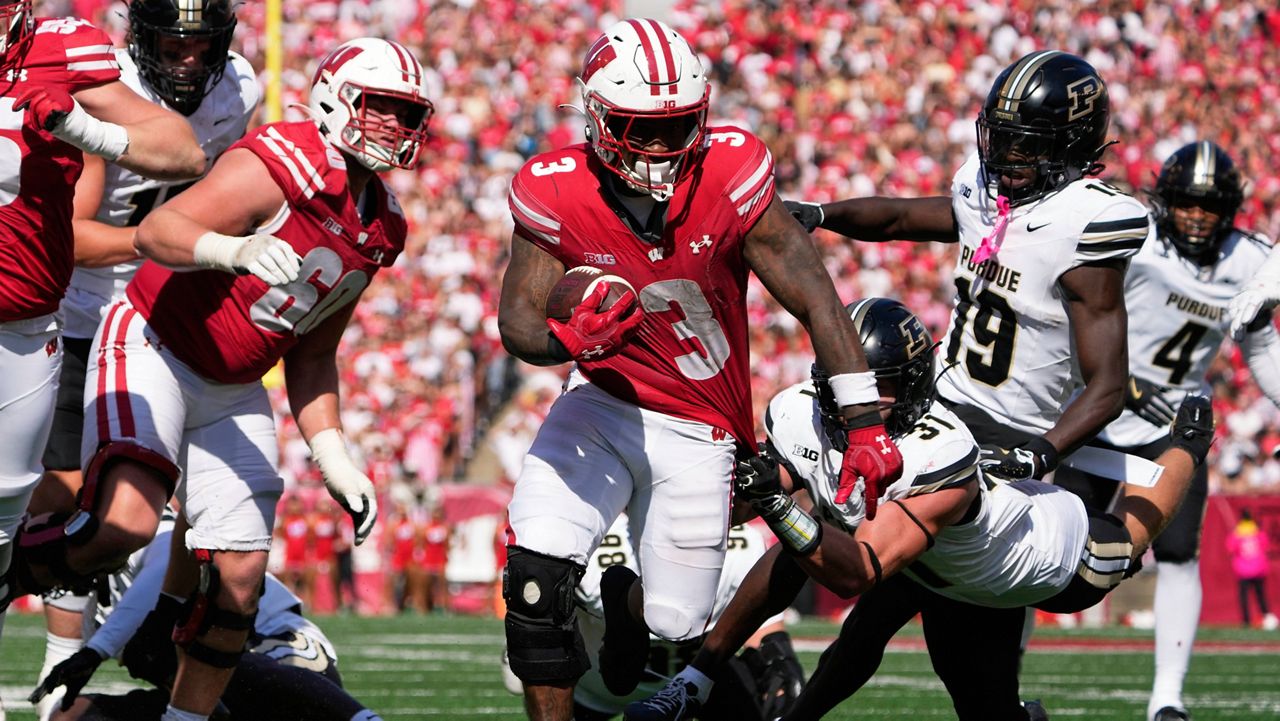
(73, 673)
(150, 655)
(756, 480)
(809, 215)
(1193, 428)
(1030, 460)
(756, 477)
(1146, 400)
(783, 678)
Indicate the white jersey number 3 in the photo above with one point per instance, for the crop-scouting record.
(699, 322)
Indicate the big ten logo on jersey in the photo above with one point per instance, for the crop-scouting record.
(598, 259)
(611, 552)
(320, 290)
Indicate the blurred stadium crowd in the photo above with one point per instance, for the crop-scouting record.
(854, 98)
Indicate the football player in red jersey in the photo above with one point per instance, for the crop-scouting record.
(283, 235)
(661, 400)
(60, 97)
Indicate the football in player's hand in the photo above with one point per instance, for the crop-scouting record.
(576, 285)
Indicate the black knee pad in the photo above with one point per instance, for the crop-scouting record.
(202, 612)
(543, 642)
(43, 541)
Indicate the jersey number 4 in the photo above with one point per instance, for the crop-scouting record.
(1176, 353)
(991, 366)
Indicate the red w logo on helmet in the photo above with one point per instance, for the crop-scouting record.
(600, 55)
(336, 59)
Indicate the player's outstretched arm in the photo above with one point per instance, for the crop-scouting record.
(522, 320)
(1099, 328)
(1253, 304)
(311, 380)
(211, 225)
(161, 143)
(1261, 349)
(98, 244)
(879, 219)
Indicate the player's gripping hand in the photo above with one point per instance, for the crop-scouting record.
(150, 654)
(73, 673)
(49, 106)
(1249, 303)
(54, 110)
(271, 259)
(1192, 430)
(809, 215)
(1031, 460)
(1146, 400)
(592, 334)
(870, 456)
(756, 480)
(350, 487)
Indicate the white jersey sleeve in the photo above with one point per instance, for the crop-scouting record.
(1009, 341)
(938, 453)
(127, 197)
(1177, 321)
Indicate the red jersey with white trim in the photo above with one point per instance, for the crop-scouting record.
(38, 172)
(234, 328)
(689, 358)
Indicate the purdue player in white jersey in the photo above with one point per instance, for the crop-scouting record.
(1177, 290)
(1040, 313)
(178, 56)
(760, 685)
(946, 530)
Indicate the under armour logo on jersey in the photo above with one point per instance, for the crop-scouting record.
(377, 256)
(16, 75)
(885, 448)
(593, 353)
(655, 255)
(698, 245)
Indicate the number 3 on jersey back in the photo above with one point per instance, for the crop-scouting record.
(991, 366)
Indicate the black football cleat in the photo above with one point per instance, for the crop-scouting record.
(625, 650)
(1035, 711)
(1172, 713)
(677, 701)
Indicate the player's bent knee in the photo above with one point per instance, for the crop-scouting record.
(212, 606)
(543, 642)
(669, 623)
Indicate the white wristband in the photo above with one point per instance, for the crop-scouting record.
(218, 251)
(91, 135)
(329, 449)
(851, 389)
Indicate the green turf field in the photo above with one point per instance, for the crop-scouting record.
(447, 667)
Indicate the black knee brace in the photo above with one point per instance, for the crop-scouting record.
(43, 540)
(543, 642)
(201, 613)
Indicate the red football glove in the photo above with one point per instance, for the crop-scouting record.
(592, 335)
(48, 104)
(870, 456)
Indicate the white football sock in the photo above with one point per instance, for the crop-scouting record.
(173, 714)
(56, 650)
(701, 682)
(1177, 609)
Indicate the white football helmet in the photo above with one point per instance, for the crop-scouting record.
(372, 69)
(640, 82)
(17, 21)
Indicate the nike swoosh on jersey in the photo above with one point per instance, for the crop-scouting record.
(1031, 229)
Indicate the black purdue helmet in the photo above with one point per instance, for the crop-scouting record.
(1199, 173)
(897, 346)
(153, 22)
(1048, 112)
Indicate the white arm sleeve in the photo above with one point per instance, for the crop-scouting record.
(1261, 351)
(127, 613)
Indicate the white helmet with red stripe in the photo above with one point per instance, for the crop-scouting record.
(645, 95)
(370, 98)
(16, 21)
